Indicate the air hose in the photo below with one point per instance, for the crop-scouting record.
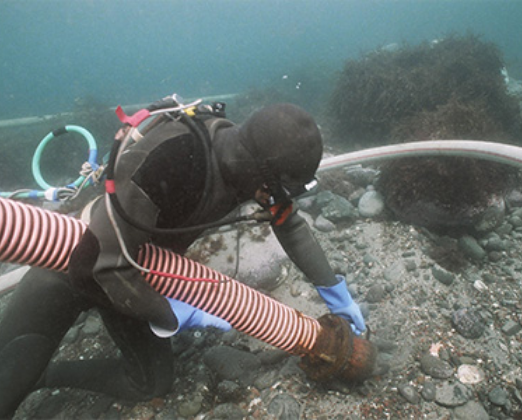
(89, 173)
(497, 152)
(93, 153)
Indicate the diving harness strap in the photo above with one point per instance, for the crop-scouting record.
(169, 107)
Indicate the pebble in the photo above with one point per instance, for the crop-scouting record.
(323, 225)
(362, 177)
(271, 357)
(452, 394)
(495, 244)
(339, 209)
(495, 256)
(472, 410)
(492, 216)
(468, 323)
(375, 293)
(323, 198)
(394, 272)
(92, 326)
(383, 345)
(498, 396)
(489, 278)
(266, 380)
(371, 204)
(436, 367)
(511, 328)
(219, 360)
(284, 407)
(516, 221)
(369, 260)
(480, 285)
(471, 248)
(518, 396)
(356, 196)
(228, 411)
(428, 391)
(504, 229)
(229, 391)
(306, 203)
(101, 406)
(190, 406)
(442, 275)
(470, 374)
(514, 199)
(72, 335)
(410, 264)
(52, 406)
(409, 393)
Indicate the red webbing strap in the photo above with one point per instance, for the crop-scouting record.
(134, 120)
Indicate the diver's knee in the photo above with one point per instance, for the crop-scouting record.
(157, 385)
(24, 360)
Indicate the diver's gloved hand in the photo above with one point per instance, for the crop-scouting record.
(190, 317)
(340, 302)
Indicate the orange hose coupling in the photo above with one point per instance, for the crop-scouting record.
(339, 353)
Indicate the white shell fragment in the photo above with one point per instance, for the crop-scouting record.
(435, 348)
(470, 374)
(480, 285)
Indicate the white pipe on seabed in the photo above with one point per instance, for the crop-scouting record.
(497, 152)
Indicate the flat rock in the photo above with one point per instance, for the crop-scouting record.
(284, 407)
(452, 394)
(409, 393)
(468, 323)
(436, 367)
(232, 364)
(472, 410)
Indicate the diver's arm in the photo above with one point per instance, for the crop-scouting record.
(299, 243)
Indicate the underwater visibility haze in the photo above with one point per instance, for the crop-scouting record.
(430, 246)
(55, 52)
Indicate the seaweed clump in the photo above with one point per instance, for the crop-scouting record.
(378, 96)
(449, 89)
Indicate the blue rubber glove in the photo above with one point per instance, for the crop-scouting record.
(340, 302)
(190, 317)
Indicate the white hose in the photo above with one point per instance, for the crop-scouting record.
(15, 122)
(497, 152)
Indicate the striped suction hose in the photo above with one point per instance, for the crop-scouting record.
(29, 235)
(33, 236)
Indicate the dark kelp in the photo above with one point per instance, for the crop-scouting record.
(447, 89)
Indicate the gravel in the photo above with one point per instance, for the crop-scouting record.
(433, 303)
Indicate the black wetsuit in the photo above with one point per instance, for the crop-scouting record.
(45, 304)
(164, 183)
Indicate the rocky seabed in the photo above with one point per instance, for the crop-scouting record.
(445, 313)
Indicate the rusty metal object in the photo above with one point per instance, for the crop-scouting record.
(339, 353)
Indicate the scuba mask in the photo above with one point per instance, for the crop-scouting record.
(283, 192)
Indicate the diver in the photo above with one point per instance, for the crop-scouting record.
(183, 175)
